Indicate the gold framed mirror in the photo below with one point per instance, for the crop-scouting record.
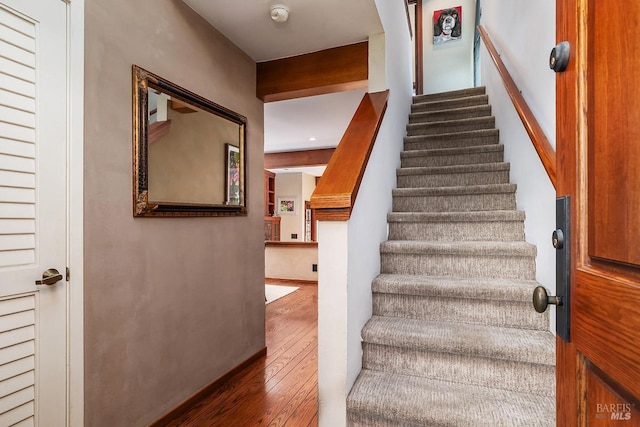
(188, 152)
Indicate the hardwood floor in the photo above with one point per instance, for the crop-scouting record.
(279, 389)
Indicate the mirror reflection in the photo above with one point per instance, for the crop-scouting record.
(189, 152)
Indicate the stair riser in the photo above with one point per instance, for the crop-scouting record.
(453, 179)
(504, 267)
(463, 93)
(509, 314)
(455, 203)
(450, 104)
(439, 128)
(453, 159)
(380, 399)
(507, 375)
(491, 231)
(439, 116)
(429, 142)
(355, 419)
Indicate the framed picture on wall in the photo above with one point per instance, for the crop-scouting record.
(287, 205)
(447, 25)
(232, 175)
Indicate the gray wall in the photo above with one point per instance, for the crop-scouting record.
(171, 304)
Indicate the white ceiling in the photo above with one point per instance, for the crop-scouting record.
(312, 25)
(293, 123)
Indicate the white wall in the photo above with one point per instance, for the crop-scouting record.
(298, 185)
(290, 185)
(290, 262)
(368, 223)
(524, 44)
(75, 34)
(449, 66)
(332, 323)
(352, 248)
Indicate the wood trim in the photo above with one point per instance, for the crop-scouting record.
(341, 214)
(327, 71)
(570, 366)
(293, 281)
(158, 129)
(285, 159)
(280, 243)
(567, 366)
(406, 9)
(335, 194)
(419, 41)
(181, 107)
(540, 142)
(200, 395)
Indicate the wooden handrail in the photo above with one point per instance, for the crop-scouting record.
(406, 9)
(335, 195)
(540, 142)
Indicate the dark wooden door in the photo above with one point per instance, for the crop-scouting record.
(598, 162)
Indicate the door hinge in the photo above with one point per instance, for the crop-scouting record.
(68, 274)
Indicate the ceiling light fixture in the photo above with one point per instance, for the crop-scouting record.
(279, 12)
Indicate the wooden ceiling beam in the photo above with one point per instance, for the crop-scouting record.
(287, 159)
(327, 71)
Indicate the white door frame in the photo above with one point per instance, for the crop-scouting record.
(75, 181)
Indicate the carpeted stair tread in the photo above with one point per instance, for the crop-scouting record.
(466, 112)
(460, 93)
(459, 190)
(453, 175)
(473, 216)
(383, 399)
(452, 299)
(508, 260)
(455, 287)
(493, 249)
(451, 140)
(455, 169)
(450, 198)
(504, 225)
(451, 126)
(432, 152)
(449, 104)
(454, 340)
(521, 345)
(473, 155)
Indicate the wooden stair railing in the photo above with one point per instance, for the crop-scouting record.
(335, 194)
(540, 142)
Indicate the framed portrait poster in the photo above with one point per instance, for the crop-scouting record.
(447, 25)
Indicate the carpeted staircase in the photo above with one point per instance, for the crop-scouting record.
(454, 339)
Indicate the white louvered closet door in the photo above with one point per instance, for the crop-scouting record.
(33, 212)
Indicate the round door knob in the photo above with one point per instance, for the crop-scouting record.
(559, 58)
(557, 239)
(541, 299)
